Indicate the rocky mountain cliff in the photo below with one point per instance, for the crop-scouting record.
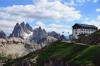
(39, 35)
(2, 34)
(16, 47)
(21, 30)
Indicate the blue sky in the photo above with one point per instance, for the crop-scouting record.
(52, 15)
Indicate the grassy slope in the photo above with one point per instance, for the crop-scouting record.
(90, 55)
(72, 53)
(60, 50)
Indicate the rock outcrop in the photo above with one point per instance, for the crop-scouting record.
(2, 34)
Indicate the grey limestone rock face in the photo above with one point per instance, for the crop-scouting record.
(20, 30)
(39, 35)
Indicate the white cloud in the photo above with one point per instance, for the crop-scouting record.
(8, 21)
(98, 10)
(79, 2)
(59, 28)
(95, 22)
(95, 1)
(42, 9)
(40, 24)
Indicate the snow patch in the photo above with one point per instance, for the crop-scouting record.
(27, 35)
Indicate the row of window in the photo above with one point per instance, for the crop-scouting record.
(86, 29)
(84, 32)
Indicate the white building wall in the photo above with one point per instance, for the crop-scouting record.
(77, 32)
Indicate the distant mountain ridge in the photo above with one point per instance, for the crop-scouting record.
(31, 36)
(56, 35)
(38, 35)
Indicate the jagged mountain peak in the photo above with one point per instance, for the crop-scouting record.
(40, 27)
(29, 27)
(39, 30)
(17, 24)
(22, 24)
(39, 35)
(20, 30)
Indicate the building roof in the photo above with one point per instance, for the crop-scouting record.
(86, 26)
